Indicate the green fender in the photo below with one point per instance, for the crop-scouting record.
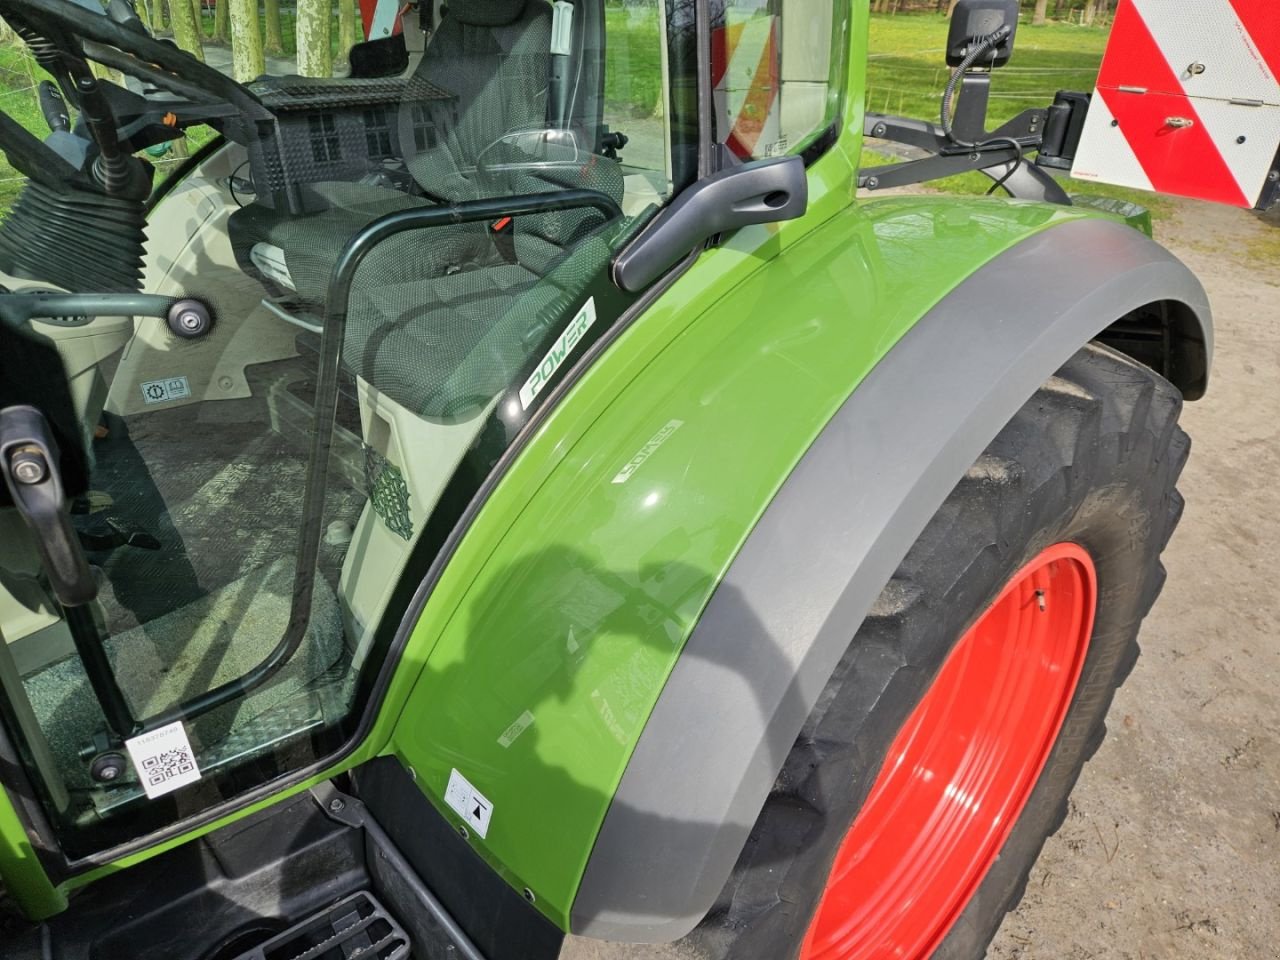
(557, 623)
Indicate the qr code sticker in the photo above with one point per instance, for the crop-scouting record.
(170, 764)
(163, 759)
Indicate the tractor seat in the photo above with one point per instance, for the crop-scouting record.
(494, 57)
(445, 346)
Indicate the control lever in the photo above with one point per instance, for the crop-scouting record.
(54, 107)
(29, 462)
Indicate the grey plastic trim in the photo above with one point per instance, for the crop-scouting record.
(841, 523)
(762, 191)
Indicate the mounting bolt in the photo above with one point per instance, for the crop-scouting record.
(462, 832)
(107, 767)
(1196, 69)
(1273, 176)
(28, 465)
(873, 182)
(189, 319)
(528, 895)
(1040, 600)
(1241, 139)
(336, 805)
(879, 130)
(1115, 123)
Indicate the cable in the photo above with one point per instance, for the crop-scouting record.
(981, 47)
(231, 183)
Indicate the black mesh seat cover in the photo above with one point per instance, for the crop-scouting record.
(446, 346)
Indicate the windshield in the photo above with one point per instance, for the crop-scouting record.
(264, 337)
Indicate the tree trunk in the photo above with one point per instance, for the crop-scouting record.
(1090, 11)
(314, 32)
(197, 6)
(186, 31)
(347, 36)
(275, 36)
(158, 19)
(222, 21)
(1042, 13)
(951, 7)
(247, 62)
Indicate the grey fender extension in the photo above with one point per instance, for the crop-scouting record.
(825, 547)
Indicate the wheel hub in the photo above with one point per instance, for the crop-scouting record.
(961, 770)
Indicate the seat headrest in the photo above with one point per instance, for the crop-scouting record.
(486, 13)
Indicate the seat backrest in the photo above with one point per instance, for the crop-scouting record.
(494, 57)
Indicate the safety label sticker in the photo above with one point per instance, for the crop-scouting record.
(468, 803)
(162, 391)
(163, 759)
(518, 726)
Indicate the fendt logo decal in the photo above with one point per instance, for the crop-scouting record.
(559, 351)
(647, 451)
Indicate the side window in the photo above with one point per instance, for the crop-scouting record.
(777, 68)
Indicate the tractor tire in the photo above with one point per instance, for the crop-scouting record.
(973, 693)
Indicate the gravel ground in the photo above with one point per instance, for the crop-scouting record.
(1172, 844)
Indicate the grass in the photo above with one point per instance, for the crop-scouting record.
(906, 74)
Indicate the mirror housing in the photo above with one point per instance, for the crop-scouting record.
(762, 191)
(972, 20)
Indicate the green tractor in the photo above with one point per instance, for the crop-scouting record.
(520, 501)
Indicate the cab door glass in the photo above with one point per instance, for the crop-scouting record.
(260, 450)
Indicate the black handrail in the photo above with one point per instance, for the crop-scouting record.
(326, 401)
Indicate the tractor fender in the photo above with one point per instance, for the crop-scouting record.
(828, 542)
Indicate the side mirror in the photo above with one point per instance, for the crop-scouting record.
(974, 20)
(763, 191)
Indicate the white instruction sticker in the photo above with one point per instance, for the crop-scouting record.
(162, 391)
(163, 759)
(469, 803)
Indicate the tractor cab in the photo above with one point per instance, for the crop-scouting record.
(245, 407)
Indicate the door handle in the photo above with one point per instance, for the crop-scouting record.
(29, 462)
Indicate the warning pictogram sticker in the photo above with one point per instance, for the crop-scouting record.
(1188, 101)
(469, 803)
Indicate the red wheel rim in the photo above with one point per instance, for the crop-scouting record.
(962, 768)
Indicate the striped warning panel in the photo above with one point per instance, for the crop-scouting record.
(1188, 100)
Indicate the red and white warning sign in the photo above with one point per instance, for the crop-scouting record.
(746, 74)
(1188, 100)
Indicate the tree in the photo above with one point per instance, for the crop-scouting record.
(247, 62)
(186, 31)
(315, 33)
(275, 36)
(1042, 13)
(347, 36)
(158, 21)
(222, 21)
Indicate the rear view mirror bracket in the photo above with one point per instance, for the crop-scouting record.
(762, 191)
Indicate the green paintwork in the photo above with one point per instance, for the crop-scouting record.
(571, 596)
(21, 871)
